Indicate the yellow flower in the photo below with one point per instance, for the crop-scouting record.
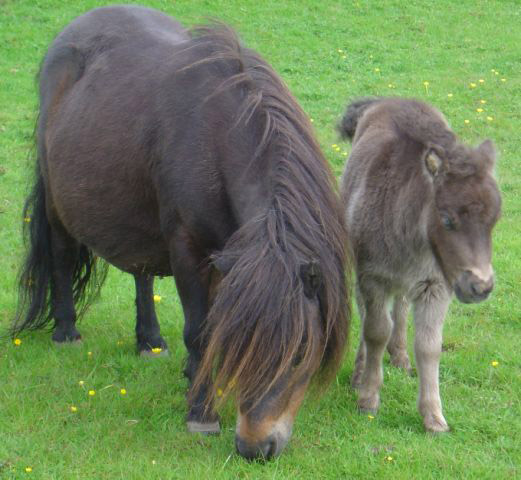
(344, 154)
(370, 417)
(340, 50)
(119, 342)
(92, 393)
(157, 298)
(495, 363)
(449, 95)
(490, 119)
(311, 120)
(426, 83)
(483, 102)
(496, 73)
(157, 350)
(481, 80)
(344, 56)
(17, 342)
(479, 110)
(73, 409)
(28, 469)
(123, 391)
(466, 121)
(27, 220)
(493, 70)
(503, 79)
(389, 458)
(376, 69)
(81, 383)
(334, 145)
(472, 85)
(370, 56)
(219, 392)
(89, 354)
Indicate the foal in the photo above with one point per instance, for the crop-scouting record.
(420, 208)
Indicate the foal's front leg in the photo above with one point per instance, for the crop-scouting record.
(193, 284)
(429, 312)
(147, 327)
(376, 331)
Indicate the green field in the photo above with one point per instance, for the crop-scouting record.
(452, 54)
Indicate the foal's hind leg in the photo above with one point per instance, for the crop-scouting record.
(397, 345)
(64, 253)
(147, 326)
(430, 308)
(193, 284)
(360, 355)
(376, 332)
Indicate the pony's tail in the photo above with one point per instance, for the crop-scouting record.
(34, 290)
(354, 112)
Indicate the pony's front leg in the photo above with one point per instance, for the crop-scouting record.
(149, 339)
(376, 331)
(397, 346)
(430, 308)
(193, 284)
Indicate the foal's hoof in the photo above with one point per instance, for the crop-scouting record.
(435, 424)
(154, 352)
(210, 428)
(403, 362)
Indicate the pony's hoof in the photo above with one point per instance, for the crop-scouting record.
(154, 352)
(435, 424)
(60, 338)
(210, 428)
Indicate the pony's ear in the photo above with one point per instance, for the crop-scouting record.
(311, 278)
(433, 161)
(488, 154)
(223, 262)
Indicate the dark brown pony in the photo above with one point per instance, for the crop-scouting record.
(174, 152)
(420, 208)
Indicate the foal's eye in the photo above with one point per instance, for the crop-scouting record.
(447, 222)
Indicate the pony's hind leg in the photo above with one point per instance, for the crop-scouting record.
(149, 340)
(430, 308)
(397, 346)
(193, 285)
(65, 253)
(376, 331)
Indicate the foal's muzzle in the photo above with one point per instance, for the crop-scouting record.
(471, 288)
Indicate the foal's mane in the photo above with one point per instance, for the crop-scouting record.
(257, 328)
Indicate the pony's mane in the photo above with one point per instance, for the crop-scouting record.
(257, 328)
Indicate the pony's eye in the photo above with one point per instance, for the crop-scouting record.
(447, 222)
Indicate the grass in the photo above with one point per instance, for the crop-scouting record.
(327, 52)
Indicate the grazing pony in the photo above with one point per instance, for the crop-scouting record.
(173, 152)
(420, 208)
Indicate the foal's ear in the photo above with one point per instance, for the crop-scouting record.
(311, 278)
(433, 161)
(488, 154)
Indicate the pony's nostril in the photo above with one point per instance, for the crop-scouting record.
(270, 449)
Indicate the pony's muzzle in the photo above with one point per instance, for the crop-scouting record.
(473, 288)
(263, 450)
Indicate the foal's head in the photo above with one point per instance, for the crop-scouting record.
(467, 205)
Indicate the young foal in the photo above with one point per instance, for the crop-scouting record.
(420, 208)
(175, 152)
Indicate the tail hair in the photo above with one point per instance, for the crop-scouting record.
(34, 309)
(354, 112)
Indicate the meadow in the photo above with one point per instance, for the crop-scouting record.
(463, 57)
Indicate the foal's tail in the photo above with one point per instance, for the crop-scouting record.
(35, 279)
(354, 111)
